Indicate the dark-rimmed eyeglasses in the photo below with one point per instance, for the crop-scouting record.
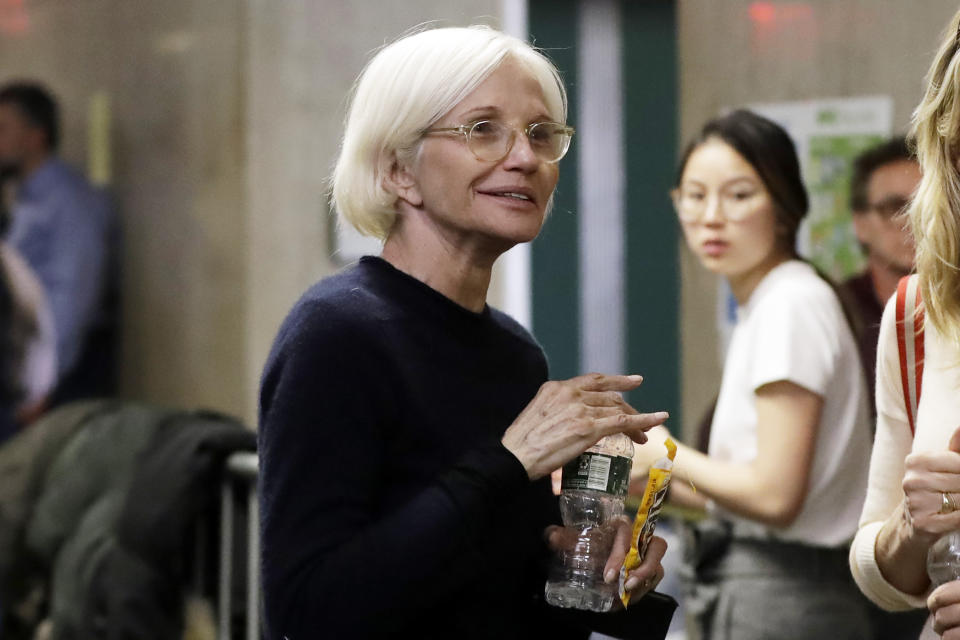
(889, 207)
(491, 140)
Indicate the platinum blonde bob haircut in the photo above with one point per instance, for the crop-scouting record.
(935, 210)
(407, 87)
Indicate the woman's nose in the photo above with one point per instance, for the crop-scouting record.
(521, 154)
(712, 213)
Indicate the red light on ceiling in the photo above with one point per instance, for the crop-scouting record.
(13, 17)
(784, 28)
(763, 12)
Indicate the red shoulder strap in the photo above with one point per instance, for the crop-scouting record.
(910, 344)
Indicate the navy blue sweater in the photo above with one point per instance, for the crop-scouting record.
(389, 505)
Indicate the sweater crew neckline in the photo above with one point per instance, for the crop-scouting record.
(424, 292)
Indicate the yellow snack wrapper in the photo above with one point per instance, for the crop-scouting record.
(658, 481)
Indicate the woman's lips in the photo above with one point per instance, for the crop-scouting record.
(714, 248)
(512, 196)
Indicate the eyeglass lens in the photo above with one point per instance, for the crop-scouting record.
(890, 207)
(490, 140)
(692, 204)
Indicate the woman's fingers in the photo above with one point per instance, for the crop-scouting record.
(648, 575)
(944, 604)
(618, 552)
(567, 417)
(932, 462)
(932, 494)
(553, 535)
(604, 382)
(931, 481)
(642, 586)
(632, 425)
(946, 618)
(606, 399)
(955, 441)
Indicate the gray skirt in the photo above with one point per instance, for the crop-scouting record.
(744, 589)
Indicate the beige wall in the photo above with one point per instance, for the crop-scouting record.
(303, 58)
(175, 88)
(818, 49)
(225, 118)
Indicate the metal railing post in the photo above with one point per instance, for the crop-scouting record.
(226, 555)
(242, 467)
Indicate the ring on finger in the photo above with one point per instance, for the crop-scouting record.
(947, 503)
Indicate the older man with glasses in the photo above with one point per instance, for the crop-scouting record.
(884, 178)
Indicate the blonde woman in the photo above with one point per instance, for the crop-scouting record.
(915, 478)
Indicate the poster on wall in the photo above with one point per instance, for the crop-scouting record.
(828, 134)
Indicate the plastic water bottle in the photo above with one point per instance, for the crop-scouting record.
(594, 486)
(943, 559)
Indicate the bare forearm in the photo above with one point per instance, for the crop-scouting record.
(683, 495)
(737, 487)
(901, 556)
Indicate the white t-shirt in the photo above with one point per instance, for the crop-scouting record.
(792, 329)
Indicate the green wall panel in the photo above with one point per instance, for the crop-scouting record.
(555, 254)
(653, 270)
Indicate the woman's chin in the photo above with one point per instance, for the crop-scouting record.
(517, 234)
(714, 264)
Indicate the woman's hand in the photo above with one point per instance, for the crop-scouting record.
(653, 450)
(930, 478)
(568, 417)
(645, 577)
(641, 580)
(944, 604)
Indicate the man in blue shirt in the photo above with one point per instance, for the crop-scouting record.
(64, 228)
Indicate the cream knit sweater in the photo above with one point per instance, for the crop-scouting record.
(937, 418)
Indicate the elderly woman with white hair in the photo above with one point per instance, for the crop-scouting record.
(407, 429)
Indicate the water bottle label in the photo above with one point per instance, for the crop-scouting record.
(597, 471)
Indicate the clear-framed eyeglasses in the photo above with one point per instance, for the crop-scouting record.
(491, 140)
(734, 205)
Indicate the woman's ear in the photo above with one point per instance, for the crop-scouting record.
(399, 180)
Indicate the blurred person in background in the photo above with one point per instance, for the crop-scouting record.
(407, 429)
(785, 471)
(915, 473)
(27, 344)
(883, 181)
(64, 228)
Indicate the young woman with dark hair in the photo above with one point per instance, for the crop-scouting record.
(785, 472)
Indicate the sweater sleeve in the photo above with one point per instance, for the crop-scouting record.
(892, 442)
(333, 557)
